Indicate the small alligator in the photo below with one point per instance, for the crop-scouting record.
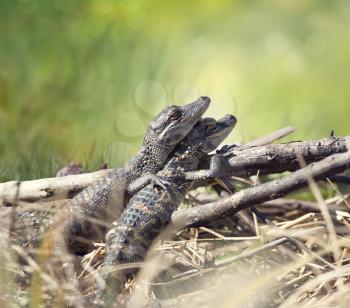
(105, 198)
(150, 210)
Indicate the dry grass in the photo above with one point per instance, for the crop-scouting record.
(289, 254)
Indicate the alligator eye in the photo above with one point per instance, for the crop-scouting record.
(175, 114)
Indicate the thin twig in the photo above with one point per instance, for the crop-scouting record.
(271, 137)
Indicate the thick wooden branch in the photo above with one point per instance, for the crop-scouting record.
(47, 189)
(240, 161)
(276, 158)
(278, 188)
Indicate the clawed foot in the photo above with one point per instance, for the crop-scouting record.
(148, 179)
(157, 181)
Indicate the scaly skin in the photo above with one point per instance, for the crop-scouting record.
(105, 198)
(150, 210)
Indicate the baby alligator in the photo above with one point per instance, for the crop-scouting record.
(150, 210)
(105, 198)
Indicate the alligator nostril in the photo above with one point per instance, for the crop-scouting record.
(231, 118)
(205, 98)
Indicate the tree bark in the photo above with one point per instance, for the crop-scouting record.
(276, 158)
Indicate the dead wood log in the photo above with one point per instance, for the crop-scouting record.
(201, 215)
(238, 161)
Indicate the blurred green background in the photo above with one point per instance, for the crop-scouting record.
(79, 80)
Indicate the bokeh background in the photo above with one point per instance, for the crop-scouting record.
(79, 80)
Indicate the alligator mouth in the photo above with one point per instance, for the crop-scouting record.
(227, 121)
(222, 126)
(197, 109)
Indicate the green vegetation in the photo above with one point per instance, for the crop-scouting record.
(80, 79)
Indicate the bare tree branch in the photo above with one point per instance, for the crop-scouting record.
(276, 158)
(278, 188)
(238, 161)
(47, 189)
